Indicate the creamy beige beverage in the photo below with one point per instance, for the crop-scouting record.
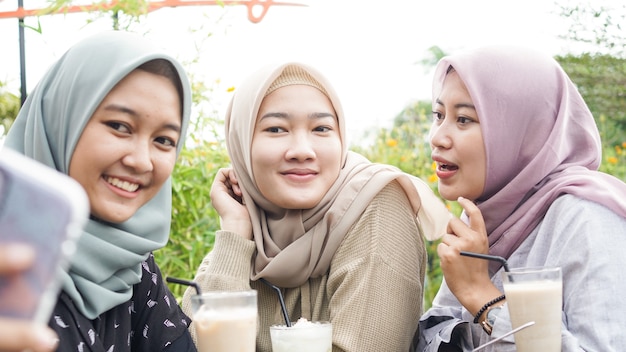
(302, 336)
(233, 331)
(225, 321)
(539, 301)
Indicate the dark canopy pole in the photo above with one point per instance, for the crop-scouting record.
(20, 23)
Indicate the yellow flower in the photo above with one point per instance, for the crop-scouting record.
(392, 142)
(612, 160)
(230, 89)
(432, 178)
(618, 149)
(433, 166)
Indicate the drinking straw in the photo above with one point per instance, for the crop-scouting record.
(184, 282)
(488, 257)
(503, 336)
(280, 299)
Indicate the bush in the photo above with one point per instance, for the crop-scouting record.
(194, 221)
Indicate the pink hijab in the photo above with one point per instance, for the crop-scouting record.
(295, 245)
(541, 140)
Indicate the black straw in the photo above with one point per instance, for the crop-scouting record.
(280, 298)
(488, 257)
(184, 282)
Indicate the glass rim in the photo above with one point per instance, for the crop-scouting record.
(314, 324)
(229, 294)
(533, 270)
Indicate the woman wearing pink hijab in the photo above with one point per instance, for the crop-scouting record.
(340, 236)
(516, 145)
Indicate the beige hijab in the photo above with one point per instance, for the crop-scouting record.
(295, 245)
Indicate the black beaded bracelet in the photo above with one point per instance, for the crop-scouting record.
(487, 305)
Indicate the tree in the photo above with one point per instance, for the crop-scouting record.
(597, 26)
(600, 70)
(601, 80)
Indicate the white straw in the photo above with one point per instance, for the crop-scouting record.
(505, 335)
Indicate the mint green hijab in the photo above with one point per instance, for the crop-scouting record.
(107, 262)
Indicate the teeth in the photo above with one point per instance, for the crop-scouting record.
(125, 185)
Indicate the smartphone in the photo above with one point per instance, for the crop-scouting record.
(47, 210)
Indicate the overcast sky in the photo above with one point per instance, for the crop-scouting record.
(369, 49)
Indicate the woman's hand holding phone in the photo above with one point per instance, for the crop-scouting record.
(19, 334)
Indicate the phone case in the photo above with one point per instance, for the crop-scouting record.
(46, 209)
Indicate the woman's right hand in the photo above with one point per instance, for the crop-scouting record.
(467, 278)
(16, 334)
(226, 197)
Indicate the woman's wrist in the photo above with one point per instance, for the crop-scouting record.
(479, 316)
(241, 227)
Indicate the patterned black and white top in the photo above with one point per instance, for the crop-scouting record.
(151, 321)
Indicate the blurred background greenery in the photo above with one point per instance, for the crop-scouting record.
(600, 77)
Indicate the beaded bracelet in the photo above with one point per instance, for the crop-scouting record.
(487, 305)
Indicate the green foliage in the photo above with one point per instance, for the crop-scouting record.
(601, 80)
(9, 107)
(194, 221)
(614, 160)
(596, 25)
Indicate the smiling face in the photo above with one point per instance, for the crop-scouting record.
(456, 142)
(296, 147)
(128, 148)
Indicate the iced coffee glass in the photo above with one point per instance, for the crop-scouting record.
(302, 336)
(535, 294)
(225, 321)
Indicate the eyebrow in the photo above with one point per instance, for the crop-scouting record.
(457, 106)
(315, 115)
(135, 116)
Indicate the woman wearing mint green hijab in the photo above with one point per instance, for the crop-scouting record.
(112, 114)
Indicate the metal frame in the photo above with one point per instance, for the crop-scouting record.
(21, 13)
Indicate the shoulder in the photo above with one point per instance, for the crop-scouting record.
(387, 227)
(392, 196)
(151, 284)
(572, 222)
(581, 211)
(390, 207)
(150, 272)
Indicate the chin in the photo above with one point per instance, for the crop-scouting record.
(299, 204)
(448, 195)
(113, 218)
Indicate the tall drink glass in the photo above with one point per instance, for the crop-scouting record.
(225, 321)
(535, 294)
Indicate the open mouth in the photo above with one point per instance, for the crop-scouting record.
(124, 185)
(447, 167)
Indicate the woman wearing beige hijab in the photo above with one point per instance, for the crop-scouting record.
(341, 236)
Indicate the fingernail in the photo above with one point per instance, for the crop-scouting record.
(19, 254)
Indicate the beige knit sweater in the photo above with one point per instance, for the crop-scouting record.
(372, 292)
